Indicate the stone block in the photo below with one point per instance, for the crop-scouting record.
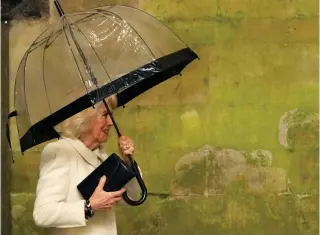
(270, 180)
(221, 171)
(304, 171)
(309, 207)
(299, 130)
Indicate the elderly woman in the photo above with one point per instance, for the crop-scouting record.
(66, 162)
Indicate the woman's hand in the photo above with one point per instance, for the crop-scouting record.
(126, 147)
(101, 199)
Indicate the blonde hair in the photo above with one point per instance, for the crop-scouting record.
(76, 125)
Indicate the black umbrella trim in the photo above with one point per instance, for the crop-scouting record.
(137, 81)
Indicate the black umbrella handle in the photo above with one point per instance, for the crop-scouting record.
(144, 191)
(134, 167)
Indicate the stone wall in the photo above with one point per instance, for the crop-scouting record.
(234, 141)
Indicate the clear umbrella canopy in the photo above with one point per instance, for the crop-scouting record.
(86, 57)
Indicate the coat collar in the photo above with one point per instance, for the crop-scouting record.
(94, 158)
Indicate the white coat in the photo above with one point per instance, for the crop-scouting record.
(59, 205)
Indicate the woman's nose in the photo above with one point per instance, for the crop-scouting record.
(109, 121)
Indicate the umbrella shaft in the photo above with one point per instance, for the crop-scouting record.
(117, 129)
(59, 8)
(111, 116)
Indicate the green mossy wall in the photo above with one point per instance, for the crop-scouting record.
(235, 140)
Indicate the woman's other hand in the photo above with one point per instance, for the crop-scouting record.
(101, 199)
(126, 146)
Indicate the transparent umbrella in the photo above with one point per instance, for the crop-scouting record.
(111, 50)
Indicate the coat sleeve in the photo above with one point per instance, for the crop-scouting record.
(51, 208)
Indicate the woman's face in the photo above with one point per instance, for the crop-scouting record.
(101, 125)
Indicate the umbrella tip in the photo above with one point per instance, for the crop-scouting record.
(59, 8)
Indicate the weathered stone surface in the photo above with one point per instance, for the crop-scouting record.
(299, 130)
(187, 9)
(224, 214)
(212, 171)
(191, 172)
(282, 31)
(25, 169)
(227, 164)
(309, 211)
(231, 8)
(22, 219)
(189, 88)
(288, 66)
(268, 9)
(258, 59)
(246, 30)
(191, 126)
(267, 179)
(304, 171)
(261, 157)
(17, 211)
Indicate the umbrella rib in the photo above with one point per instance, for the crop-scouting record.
(119, 17)
(46, 39)
(43, 77)
(18, 114)
(44, 80)
(74, 58)
(58, 32)
(25, 94)
(36, 45)
(157, 21)
(93, 78)
(95, 53)
(54, 38)
(106, 13)
(24, 81)
(175, 62)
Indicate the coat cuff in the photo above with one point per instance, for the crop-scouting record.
(61, 215)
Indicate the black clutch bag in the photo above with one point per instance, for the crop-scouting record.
(118, 174)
